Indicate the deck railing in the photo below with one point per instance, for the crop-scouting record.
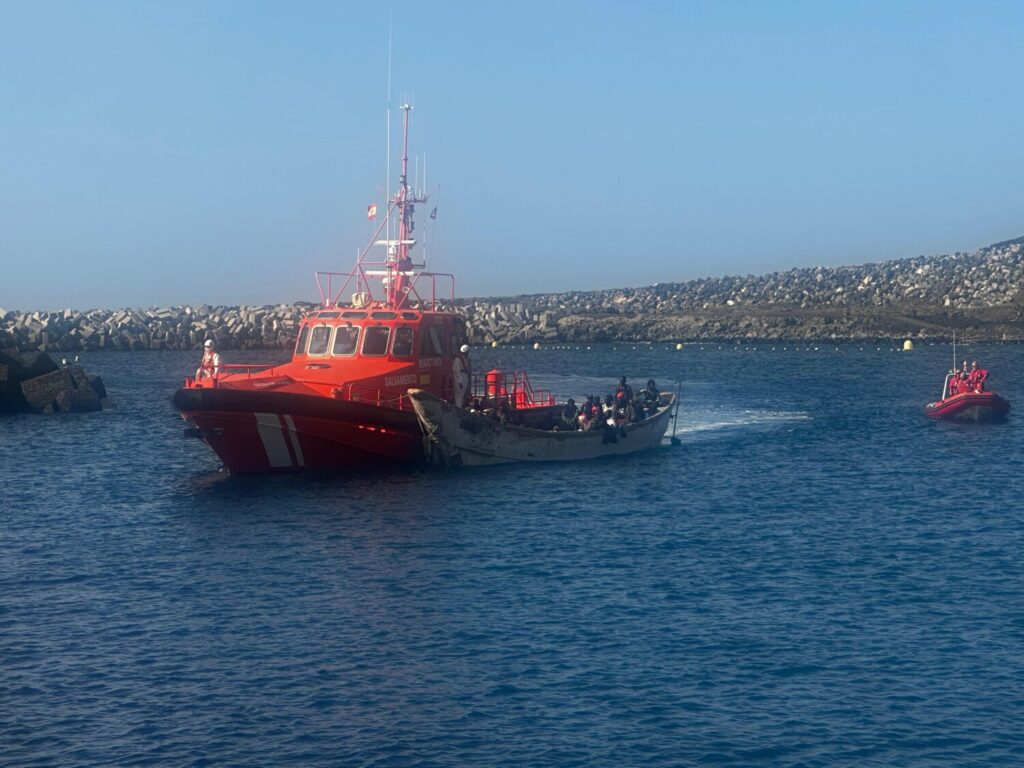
(360, 393)
(511, 387)
(326, 282)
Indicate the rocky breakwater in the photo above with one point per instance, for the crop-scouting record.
(184, 327)
(33, 383)
(978, 293)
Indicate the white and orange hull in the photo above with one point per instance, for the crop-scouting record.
(256, 432)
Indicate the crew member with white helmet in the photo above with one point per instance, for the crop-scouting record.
(210, 367)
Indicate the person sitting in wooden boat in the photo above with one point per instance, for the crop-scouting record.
(623, 393)
(610, 410)
(595, 415)
(504, 412)
(583, 419)
(650, 398)
(568, 421)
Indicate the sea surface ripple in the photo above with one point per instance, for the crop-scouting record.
(817, 576)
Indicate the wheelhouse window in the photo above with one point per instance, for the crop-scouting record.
(300, 345)
(345, 340)
(403, 343)
(375, 340)
(318, 340)
(434, 341)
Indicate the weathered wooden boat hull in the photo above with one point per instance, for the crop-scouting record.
(456, 437)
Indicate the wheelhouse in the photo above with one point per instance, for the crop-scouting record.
(399, 336)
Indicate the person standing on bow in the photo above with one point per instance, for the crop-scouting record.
(209, 368)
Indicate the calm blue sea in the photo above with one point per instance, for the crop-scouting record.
(818, 576)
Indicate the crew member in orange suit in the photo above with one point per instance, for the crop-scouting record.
(954, 384)
(977, 377)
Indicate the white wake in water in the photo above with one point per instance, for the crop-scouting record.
(693, 423)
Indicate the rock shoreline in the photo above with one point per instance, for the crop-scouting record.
(977, 294)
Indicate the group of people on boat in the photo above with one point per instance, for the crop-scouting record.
(967, 380)
(612, 410)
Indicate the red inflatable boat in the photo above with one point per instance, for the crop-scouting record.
(968, 406)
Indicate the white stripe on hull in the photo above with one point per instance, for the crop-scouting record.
(272, 435)
(293, 437)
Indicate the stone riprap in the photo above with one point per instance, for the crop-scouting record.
(930, 296)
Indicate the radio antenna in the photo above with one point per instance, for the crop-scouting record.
(387, 200)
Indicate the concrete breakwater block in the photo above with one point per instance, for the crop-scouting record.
(15, 368)
(268, 327)
(33, 383)
(66, 390)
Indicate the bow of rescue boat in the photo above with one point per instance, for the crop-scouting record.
(268, 427)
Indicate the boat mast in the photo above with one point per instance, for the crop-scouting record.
(399, 264)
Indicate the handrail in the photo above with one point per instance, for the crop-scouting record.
(233, 369)
(248, 368)
(513, 388)
(361, 393)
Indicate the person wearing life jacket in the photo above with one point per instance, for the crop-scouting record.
(623, 393)
(977, 377)
(954, 383)
(963, 385)
(209, 368)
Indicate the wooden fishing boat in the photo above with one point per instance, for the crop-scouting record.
(454, 436)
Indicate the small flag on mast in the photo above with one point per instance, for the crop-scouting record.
(371, 211)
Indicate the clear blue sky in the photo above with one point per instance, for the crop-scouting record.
(164, 153)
